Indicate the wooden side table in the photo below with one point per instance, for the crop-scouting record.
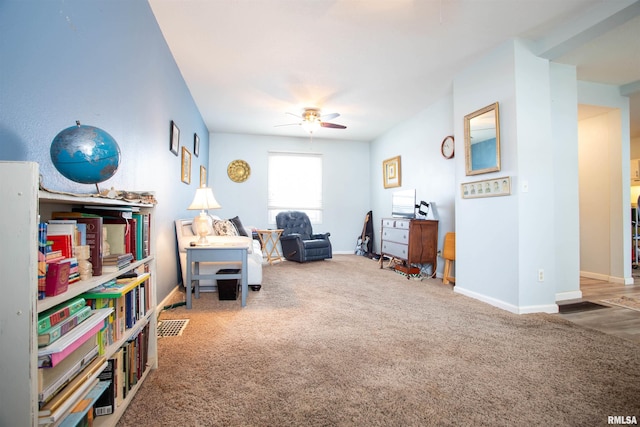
(269, 239)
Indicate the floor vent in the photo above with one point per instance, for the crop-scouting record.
(171, 328)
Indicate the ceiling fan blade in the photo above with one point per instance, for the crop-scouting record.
(330, 116)
(332, 125)
(293, 114)
(288, 124)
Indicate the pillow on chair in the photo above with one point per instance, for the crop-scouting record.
(224, 227)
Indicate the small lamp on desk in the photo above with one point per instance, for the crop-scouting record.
(203, 200)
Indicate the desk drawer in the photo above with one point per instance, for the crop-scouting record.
(397, 250)
(395, 235)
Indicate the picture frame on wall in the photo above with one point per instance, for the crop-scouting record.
(203, 176)
(391, 172)
(185, 170)
(486, 188)
(174, 138)
(196, 145)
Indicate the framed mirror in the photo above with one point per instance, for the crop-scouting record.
(482, 140)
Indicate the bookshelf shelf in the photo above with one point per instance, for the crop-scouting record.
(26, 205)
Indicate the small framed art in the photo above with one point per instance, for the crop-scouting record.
(392, 172)
(185, 171)
(486, 188)
(196, 145)
(203, 176)
(174, 139)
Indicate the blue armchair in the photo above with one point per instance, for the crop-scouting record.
(298, 241)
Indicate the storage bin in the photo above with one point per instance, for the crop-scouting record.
(228, 289)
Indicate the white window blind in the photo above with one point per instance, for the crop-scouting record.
(295, 183)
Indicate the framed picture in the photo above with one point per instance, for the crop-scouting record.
(196, 144)
(391, 172)
(482, 140)
(203, 176)
(174, 140)
(486, 188)
(186, 166)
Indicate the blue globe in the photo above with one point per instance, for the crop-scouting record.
(85, 154)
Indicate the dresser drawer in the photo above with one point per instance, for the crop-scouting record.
(395, 235)
(397, 250)
(403, 223)
(388, 223)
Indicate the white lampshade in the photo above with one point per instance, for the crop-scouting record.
(204, 199)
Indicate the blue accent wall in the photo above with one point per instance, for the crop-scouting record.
(106, 64)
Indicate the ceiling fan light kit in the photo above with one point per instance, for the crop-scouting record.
(312, 120)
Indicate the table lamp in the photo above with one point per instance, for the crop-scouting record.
(203, 200)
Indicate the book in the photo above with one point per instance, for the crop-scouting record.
(69, 395)
(82, 413)
(57, 280)
(94, 240)
(55, 353)
(50, 380)
(112, 289)
(57, 331)
(56, 314)
(63, 243)
(42, 259)
(105, 404)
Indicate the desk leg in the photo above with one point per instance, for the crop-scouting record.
(197, 285)
(187, 286)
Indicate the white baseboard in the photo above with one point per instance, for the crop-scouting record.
(166, 300)
(547, 308)
(564, 296)
(607, 278)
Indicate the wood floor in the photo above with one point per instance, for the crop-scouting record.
(619, 321)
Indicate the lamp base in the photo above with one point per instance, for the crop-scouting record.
(201, 223)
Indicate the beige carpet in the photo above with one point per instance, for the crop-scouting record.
(342, 343)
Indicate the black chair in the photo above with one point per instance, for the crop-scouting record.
(298, 241)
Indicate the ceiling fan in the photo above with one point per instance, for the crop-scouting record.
(312, 120)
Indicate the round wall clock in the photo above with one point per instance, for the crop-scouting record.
(447, 148)
(238, 171)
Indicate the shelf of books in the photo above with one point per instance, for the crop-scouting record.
(79, 318)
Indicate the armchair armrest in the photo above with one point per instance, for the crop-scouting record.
(292, 236)
(321, 236)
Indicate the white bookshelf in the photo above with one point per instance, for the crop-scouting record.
(23, 204)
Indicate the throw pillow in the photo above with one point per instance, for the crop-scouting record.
(224, 228)
(239, 227)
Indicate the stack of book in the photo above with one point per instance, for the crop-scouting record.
(116, 262)
(69, 358)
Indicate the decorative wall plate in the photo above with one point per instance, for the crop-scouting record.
(238, 171)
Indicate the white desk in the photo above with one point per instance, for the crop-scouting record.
(222, 254)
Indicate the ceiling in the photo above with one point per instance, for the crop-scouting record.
(248, 63)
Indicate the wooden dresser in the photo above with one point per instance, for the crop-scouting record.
(414, 241)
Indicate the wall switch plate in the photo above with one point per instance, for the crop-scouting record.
(525, 186)
(541, 275)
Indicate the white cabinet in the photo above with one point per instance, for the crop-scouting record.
(22, 204)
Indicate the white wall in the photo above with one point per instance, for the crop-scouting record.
(503, 242)
(345, 181)
(564, 122)
(418, 142)
(605, 214)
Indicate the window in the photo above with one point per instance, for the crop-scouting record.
(295, 183)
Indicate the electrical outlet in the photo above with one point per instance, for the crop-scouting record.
(540, 275)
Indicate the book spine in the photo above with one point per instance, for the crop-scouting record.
(105, 405)
(62, 328)
(94, 240)
(42, 259)
(51, 389)
(56, 315)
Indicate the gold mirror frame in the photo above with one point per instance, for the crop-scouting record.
(482, 127)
